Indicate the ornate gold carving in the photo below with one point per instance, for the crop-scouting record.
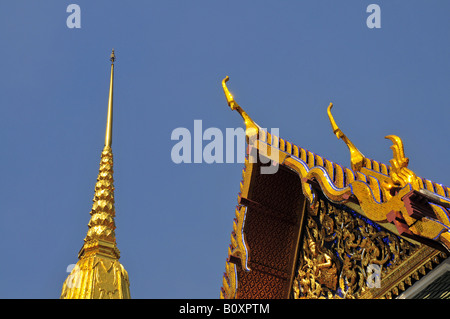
(97, 278)
(338, 248)
(318, 270)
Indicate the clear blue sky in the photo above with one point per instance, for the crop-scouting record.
(287, 60)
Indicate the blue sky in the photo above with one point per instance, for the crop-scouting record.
(287, 60)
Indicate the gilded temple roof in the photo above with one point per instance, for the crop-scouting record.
(392, 196)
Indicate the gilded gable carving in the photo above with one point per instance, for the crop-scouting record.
(344, 255)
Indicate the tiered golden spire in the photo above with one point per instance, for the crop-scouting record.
(98, 273)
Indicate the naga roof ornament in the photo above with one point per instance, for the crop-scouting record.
(356, 157)
(401, 191)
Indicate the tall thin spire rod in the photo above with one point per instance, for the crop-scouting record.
(109, 120)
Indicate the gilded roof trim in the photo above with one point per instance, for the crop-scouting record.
(363, 191)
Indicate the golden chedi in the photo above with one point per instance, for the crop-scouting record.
(98, 273)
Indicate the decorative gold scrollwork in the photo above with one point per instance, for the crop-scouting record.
(338, 248)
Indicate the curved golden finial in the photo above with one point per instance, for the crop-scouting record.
(234, 106)
(108, 134)
(399, 160)
(399, 173)
(356, 157)
(230, 99)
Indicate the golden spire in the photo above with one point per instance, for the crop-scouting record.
(98, 273)
(356, 157)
